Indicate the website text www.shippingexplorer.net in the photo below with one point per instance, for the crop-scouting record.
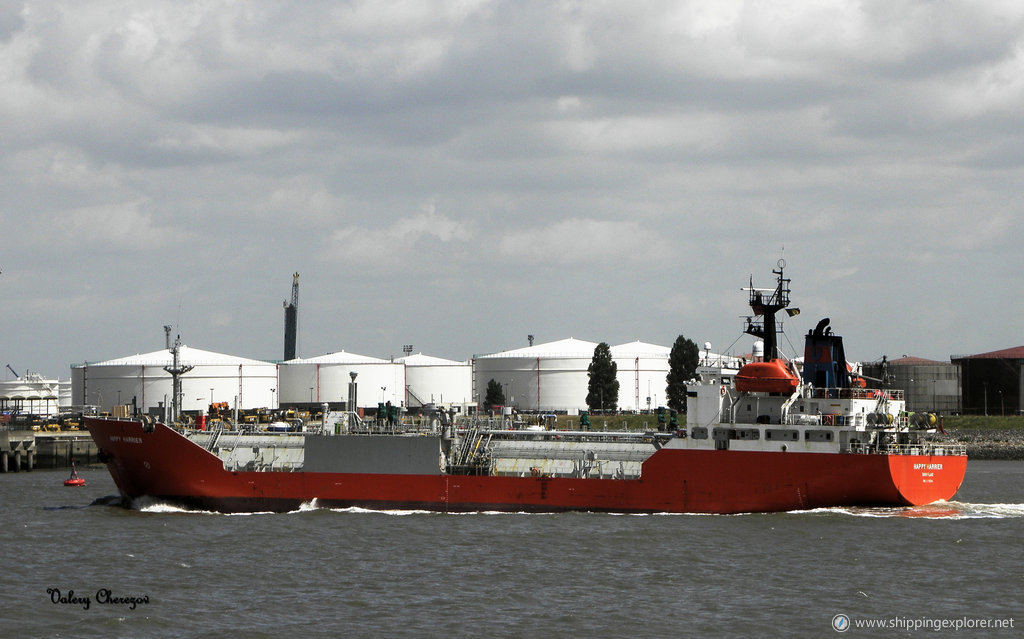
(843, 623)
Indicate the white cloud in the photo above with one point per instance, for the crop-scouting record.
(873, 140)
(410, 240)
(121, 227)
(585, 241)
(230, 140)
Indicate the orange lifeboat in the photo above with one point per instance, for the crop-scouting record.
(772, 376)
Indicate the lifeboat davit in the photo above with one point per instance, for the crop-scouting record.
(773, 376)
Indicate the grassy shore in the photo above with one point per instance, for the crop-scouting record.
(991, 422)
(615, 422)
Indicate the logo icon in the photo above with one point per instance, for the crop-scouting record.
(840, 623)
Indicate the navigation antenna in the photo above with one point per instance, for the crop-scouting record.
(765, 303)
(176, 369)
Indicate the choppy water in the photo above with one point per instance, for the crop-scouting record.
(356, 573)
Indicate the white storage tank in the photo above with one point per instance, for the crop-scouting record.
(433, 380)
(642, 373)
(325, 378)
(544, 377)
(142, 380)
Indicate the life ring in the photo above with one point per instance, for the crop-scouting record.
(723, 391)
(827, 420)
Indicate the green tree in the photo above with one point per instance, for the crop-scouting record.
(682, 366)
(603, 387)
(495, 395)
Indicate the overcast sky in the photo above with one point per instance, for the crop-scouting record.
(458, 175)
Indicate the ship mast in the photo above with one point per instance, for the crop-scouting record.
(766, 303)
(176, 369)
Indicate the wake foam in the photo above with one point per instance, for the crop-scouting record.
(153, 506)
(938, 510)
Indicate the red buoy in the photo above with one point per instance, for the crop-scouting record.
(74, 479)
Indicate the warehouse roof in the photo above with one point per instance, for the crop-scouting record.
(419, 359)
(562, 348)
(22, 389)
(186, 354)
(908, 360)
(640, 349)
(340, 357)
(1007, 353)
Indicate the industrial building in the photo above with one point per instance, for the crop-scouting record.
(642, 373)
(928, 385)
(324, 380)
(438, 381)
(553, 376)
(32, 394)
(992, 382)
(544, 377)
(142, 381)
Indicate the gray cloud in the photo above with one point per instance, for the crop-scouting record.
(460, 174)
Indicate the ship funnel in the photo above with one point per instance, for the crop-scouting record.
(825, 359)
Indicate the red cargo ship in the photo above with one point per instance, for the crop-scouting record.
(778, 439)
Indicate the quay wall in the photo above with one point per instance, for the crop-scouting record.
(27, 450)
(991, 443)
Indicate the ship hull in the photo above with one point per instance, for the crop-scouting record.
(164, 465)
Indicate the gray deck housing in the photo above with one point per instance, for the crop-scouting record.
(376, 454)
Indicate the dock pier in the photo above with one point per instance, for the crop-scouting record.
(25, 450)
(17, 450)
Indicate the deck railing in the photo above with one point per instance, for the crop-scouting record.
(857, 393)
(924, 448)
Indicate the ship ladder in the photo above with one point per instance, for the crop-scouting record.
(466, 446)
(214, 438)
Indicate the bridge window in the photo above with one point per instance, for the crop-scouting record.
(818, 435)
